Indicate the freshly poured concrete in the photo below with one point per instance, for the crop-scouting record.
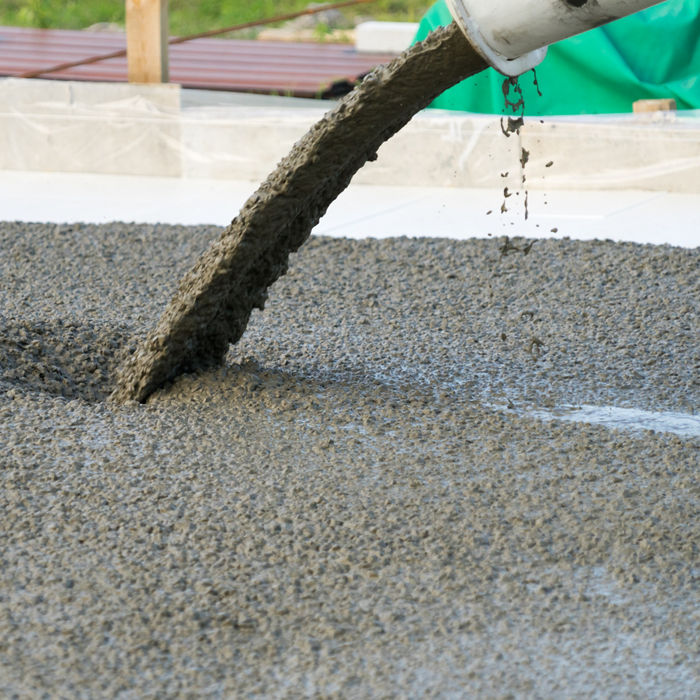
(337, 511)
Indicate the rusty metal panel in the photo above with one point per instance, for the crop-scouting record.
(301, 69)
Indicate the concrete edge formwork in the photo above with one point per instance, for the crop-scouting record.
(161, 130)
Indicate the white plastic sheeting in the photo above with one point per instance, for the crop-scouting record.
(122, 129)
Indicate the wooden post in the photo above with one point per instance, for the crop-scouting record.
(147, 40)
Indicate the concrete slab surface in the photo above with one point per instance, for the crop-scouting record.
(343, 509)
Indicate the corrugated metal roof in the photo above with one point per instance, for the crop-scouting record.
(301, 69)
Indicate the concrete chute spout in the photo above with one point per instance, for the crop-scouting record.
(513, 35)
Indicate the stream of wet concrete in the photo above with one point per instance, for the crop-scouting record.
(215, 299)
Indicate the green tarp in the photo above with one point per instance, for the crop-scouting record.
(651, 54)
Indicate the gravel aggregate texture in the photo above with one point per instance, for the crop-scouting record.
(341, 509)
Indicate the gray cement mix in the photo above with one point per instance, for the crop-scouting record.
(335, 511)
(215, 299)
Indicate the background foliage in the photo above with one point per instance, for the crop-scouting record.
(187, 16)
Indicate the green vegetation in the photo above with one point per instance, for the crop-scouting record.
(187, 16)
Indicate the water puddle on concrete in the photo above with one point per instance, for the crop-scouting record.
(633, 419)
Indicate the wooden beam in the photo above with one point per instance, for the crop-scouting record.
(666, 104)
(147, 40)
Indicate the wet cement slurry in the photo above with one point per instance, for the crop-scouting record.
(515, 102)
(215, 299)
(335, 511)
